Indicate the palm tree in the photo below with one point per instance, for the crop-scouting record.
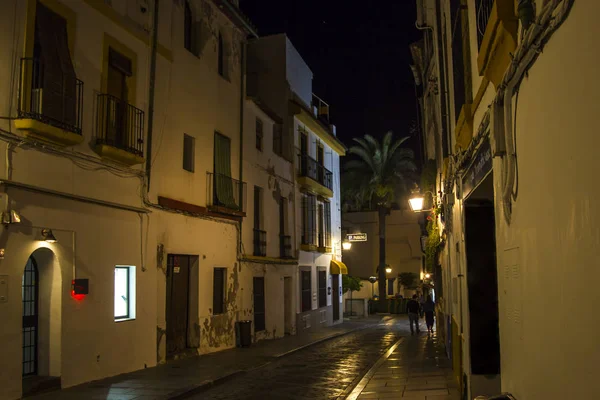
(381, 171)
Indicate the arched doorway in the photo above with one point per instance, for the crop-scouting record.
(42, 323)
(30, 293)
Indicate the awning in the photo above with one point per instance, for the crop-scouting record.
(338, 267)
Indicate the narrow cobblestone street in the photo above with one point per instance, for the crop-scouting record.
(415, 369)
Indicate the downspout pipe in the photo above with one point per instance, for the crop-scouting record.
(151, 90)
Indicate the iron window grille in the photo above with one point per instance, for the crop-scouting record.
(309, 167)
(119, 124)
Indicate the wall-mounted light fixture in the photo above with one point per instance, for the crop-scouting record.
(48, 236)
(388, 270)
(427, 276)
(417, 200)
(346, 245)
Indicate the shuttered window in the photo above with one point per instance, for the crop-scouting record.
(59, 80)
(222, 177)
(219, 290)
(306, 291)
(259, 304)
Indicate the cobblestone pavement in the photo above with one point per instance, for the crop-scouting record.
(417, 369)
(323, 371)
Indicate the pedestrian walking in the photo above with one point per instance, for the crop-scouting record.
(413, 307)
(421, 304)
(429, 309)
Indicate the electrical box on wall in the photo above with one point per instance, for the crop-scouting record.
(80, 286)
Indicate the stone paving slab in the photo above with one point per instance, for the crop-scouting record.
(416, 369)
(181, 378)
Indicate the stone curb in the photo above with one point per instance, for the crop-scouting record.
(206, 385)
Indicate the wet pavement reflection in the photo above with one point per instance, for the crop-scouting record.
(322, 371)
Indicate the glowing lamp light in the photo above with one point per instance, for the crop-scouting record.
(427, 276)
(388, 270)
(346, 245)
(48, 236)
(77, 297)
(416, 202)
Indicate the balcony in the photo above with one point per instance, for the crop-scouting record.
(120, 130)
(225, 195)
(50, 104)
(285, 246)
(260, 243)
(315, 176)
(497, 28)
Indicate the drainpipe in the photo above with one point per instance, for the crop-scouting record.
(152, 83)
(241, 166)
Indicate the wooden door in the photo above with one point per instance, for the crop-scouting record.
(30, 290)
(178, 273)
(287, 304)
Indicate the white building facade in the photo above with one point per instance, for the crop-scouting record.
(517, 216)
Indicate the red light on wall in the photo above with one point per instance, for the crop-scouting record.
(79, 288)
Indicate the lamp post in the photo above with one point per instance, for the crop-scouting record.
(372, 279)
(417, 200)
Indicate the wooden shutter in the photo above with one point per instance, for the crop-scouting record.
(223, 184)
(259, 304)
(218, 290)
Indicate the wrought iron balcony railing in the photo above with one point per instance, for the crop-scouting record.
(311, 168)
(225, 194)
(119, 124)
(483, 8)
(285, 246)
(50, 96)
(260, 243)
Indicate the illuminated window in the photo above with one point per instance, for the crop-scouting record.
(124, 293)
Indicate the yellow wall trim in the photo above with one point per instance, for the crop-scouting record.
(480, 92)
(38, 130)
(308, 247)
(118, 155)
(499, 41)
(464, 127)
(59, 8)
(315, 187)
(119, 20)
(308, 120)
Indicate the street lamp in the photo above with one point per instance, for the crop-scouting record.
(427, 276)
(346, 245)
(417, 200)
(388, 270)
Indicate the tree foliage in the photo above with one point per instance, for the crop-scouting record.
(378, 174)
(351, 283)
(408, 279)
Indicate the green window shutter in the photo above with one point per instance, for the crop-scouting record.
(223, 184)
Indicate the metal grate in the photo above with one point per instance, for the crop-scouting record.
(223, 193)
(483, 8)
(260, 243)
(30, 317)
(119, 124)
(311, 168)
(285, 246)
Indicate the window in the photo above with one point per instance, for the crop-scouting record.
(191, 31)
(259, 304)
(219, 290)
(260, 236)
(124, 293)
(222, 55)
(327, 225)
(309, 217)
(278, 139)
(322, 289)
(390, 286)
(306, 291)
(259, 134)
(188, 152)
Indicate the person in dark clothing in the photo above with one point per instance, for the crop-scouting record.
(413, 307)
(429, 309)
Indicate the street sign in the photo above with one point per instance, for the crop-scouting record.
(356, 237)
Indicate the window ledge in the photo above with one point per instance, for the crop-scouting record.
(325, 249)
(499, 41)
(125, 319)
(314, 186)
(308, 247)
(38, 130)
(118, 155)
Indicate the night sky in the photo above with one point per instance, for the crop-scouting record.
(358, 52)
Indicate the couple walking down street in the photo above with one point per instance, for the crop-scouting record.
(413, 307)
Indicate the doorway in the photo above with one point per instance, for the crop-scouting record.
(287, 304)
(182, 304)
(30, 292)
(335, 296)
(482, 288)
